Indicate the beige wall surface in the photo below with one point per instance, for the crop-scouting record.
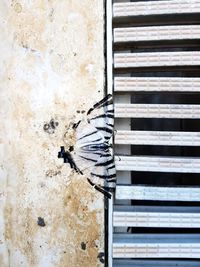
(52, 71)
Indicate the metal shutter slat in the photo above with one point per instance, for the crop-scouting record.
(157, 111)
(134, 84)
(135, 34)
(156, 245)
(158, 193)
(156, 219)
(156, 59)
(157, 138)
(156, 8)
(158, 164)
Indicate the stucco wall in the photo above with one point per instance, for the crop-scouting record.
(52, 70)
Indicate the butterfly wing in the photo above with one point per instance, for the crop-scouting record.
(91, 150)
(101, 116)
(99, 131)
(104, 169)
(86, 135)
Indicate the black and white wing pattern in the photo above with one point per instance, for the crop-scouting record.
(101, 116)
(92, 151)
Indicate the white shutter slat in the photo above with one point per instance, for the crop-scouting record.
(156, 245)
(156, 59)
(137, 192)
(155, 33)
(158, 164)
(157, 138)
(157, 84)
(159, 217)
(144, 8)
(172, 111)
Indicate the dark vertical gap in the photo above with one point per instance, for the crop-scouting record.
(106, 247)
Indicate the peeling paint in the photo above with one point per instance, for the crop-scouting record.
(52, 71)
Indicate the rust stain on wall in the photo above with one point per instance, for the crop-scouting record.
(83, 224)
(20, 230)
(53, 71)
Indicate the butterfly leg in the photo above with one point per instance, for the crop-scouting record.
(74, 166)
(100, 189)
(68, 159)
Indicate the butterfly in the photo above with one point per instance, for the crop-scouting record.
(90, 151)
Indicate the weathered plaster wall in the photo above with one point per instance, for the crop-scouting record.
(52, 70)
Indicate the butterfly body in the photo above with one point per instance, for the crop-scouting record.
(97, 147)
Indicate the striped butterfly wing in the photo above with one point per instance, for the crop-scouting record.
(105, 169)
(101, 116)
(91, 152)
(97, 133)
(86, 136)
